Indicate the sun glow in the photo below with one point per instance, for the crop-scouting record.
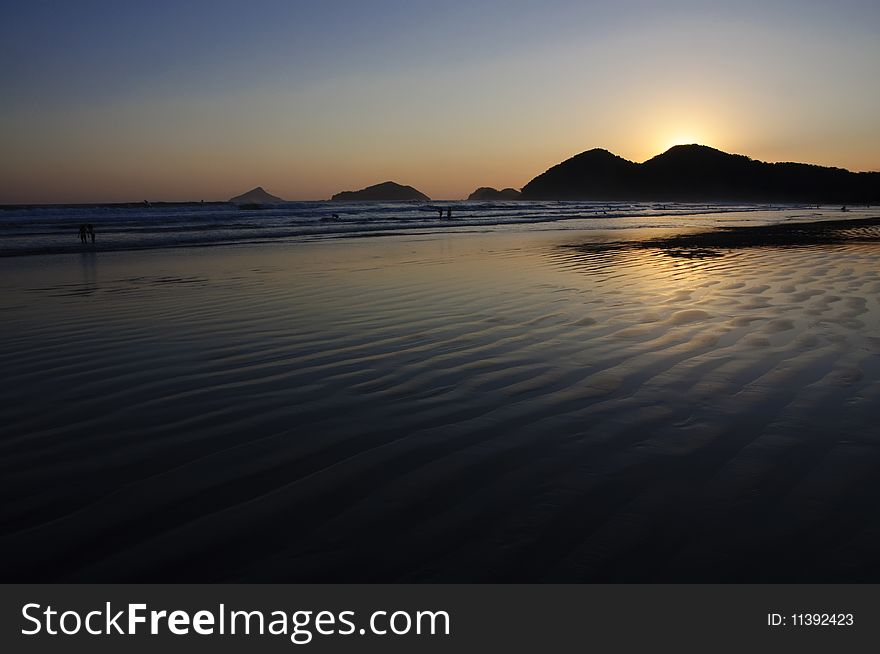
(682, 138)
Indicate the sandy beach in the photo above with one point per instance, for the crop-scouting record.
(522, 406)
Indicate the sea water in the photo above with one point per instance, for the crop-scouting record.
(55, 228)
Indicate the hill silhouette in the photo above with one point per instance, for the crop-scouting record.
(384, 192)
(487, 193)
(255, 196)
(699, 173)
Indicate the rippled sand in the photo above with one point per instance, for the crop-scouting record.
(447, 408)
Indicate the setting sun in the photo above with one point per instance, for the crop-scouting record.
(683, 137)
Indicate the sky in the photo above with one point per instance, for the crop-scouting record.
(193, 99)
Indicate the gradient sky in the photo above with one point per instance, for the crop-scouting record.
(195, 99)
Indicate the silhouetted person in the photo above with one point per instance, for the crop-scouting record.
(91, 230)
(843, 208)
(83, 233)
(449, 214)
(440, 213)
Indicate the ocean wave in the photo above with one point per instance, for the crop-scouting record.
(54, 229)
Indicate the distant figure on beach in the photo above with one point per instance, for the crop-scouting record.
(843, 208)
(449, 214)
(83, 233)
(91, 229)
(440, 212)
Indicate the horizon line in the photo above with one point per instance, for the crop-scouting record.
(447, 199)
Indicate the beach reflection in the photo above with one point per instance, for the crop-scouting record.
(89, 269)
(448, 407)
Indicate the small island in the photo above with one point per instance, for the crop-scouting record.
(384, 192)
(256, 196)
(487, 193)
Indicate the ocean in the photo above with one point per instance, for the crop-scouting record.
(52, 229)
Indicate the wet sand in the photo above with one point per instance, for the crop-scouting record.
(544, 406)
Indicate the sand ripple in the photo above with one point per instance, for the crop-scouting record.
(440, 410)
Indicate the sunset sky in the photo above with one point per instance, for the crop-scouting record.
(192, 99)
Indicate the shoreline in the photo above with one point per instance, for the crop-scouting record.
(782, 234)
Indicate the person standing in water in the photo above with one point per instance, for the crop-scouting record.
(82, 234)
(91, 230)
(449, 214)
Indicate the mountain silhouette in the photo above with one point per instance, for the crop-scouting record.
(595, 174)
(384, 192)
(698, 172)
(487, 193)
(255, 196)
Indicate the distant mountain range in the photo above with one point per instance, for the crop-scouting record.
(685, 173)
(697, 173)
(384, 192)
(487, 193)
(256, 196)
